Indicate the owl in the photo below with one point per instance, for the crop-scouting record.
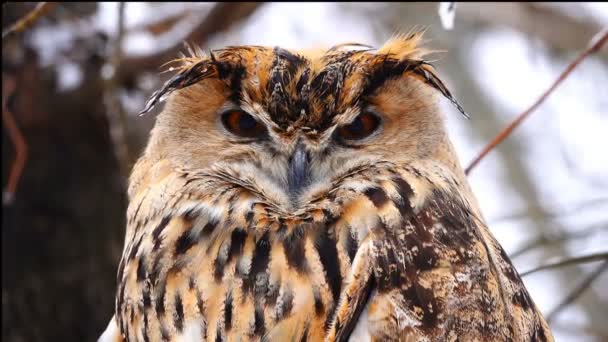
(307, 196)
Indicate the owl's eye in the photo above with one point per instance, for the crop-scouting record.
(363, 125)
(242, 124)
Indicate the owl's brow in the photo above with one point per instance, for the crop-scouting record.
(387, 68)
(377, 70)
(430, 77)
(284, 66)
(228, 67)
(228, 64)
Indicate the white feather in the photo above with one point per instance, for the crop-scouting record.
(111, 334)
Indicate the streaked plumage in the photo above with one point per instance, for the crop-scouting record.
(298, 234)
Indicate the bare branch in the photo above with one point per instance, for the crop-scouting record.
(569, 261)
(219, 18)
(544, 240)
(28, 20)
(578, 291)
(552, 213)
(116, 115)
(580, 330)
(595, 45)
(164, 24)
(17, 139)
(534, 20)
(577, 172)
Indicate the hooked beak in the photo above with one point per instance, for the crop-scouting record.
(298, 173)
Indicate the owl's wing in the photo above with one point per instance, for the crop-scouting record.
(436, 275)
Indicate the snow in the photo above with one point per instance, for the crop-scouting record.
(447, 13)
(70, 76)
(50, 41)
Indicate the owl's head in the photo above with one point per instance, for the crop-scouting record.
(292, 121)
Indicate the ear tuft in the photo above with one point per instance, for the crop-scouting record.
(190, 72)
(405, 46)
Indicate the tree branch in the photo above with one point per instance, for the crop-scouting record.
(595, 45)
(560, 238)
(117, 118)
(164, 24)
(569, 261)
(580, 330)
(534, 20)
(28, 20)
(220, 17)
(552, 212)
(17, 139)
(578, 291)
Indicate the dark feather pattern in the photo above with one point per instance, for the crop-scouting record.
(431, 78)
(326, 83)
(297, 236)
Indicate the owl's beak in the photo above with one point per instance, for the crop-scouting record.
(298, 172)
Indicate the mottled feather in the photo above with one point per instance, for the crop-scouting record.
(383, 238)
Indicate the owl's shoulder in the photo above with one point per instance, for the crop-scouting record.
(436, 272)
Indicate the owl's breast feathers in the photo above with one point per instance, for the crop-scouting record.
(395, 250)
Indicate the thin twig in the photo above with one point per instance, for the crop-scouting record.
(559, 238)
(550, 24)
(28, 20)
(569, 261)
(578, 291)
(595, 45)
(219, 18)
(164, 24)
(18, 140)
(553, 212)
(580, 330)
(117, 117)
(575, 170)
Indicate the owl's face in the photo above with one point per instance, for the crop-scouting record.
(291, 123)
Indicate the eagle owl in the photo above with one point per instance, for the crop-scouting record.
(309, 196)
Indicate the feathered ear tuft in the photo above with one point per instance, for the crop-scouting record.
(426, 71)
(192, 71)
(406, 50)
(195, 67)
(405, 46)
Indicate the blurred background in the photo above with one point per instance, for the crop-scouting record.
(76, 75)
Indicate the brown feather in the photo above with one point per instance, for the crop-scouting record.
(384, 239)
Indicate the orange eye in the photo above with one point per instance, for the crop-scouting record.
(242, 124)
(363, 125)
